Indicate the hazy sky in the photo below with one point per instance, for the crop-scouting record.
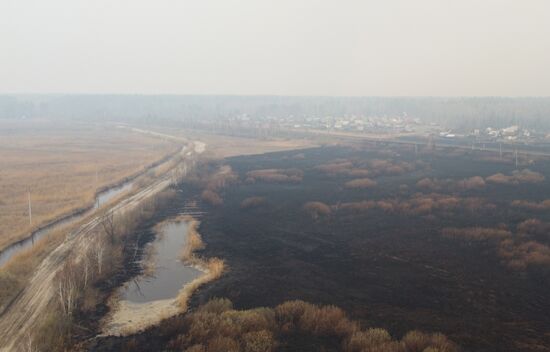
(284, 47)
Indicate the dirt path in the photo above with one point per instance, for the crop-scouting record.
(18, 321)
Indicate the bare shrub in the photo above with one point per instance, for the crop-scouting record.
(379, 165)
(222, 178)
(476, 182)
(253, 202)
(364, 168)
(429, 184)
(219, 327)
(543, 205)
(359, 172)
(367, 340)
(434, 184)
(288, 314)
(196, 348)
(259, 318)
(528, 176)
(360, 183)
(356, 206)
(275, 175)
(386, 167)
(211, 197)
(216, 306)
(499, 178)
(424, 204)
(416, 341)
(258, 341)
(418, 204)
(336, 167)
(324, 321)
(213, 182)
(222, 344)
(516, 251)
(517, 177)
(521, 255)
(387, 205)
(475, 204)
(321, 321)
(54, 333)
(440, 342)
(534, 227)
(317, 209)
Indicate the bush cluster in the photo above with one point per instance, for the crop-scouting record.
(517, 177)
(417, 204)
(217, 327)
(275, 175)
(518, 250)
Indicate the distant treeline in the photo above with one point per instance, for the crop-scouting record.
(459, 113)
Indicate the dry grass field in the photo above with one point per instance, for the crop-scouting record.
(63, 165)
(222, 146)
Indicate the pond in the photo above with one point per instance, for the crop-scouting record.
(169, 274)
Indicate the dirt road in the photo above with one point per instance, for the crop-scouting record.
(20, 318)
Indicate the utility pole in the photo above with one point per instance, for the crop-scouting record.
(30, 208)
(516, 158)
(500, 150)
(96, 187)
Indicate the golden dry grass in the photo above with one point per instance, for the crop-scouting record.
(212, 267)
(58, 163)
(361, 183)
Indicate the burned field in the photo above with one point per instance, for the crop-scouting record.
(370, 240)
(383, 248)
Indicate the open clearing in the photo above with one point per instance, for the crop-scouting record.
(63, 166)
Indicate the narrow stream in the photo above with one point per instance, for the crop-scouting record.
(101, 199)
(168, 274)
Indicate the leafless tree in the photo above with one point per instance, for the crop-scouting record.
(98, 252)
(29, 346)
(87, 270)
(67, 287)
(109, 225)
